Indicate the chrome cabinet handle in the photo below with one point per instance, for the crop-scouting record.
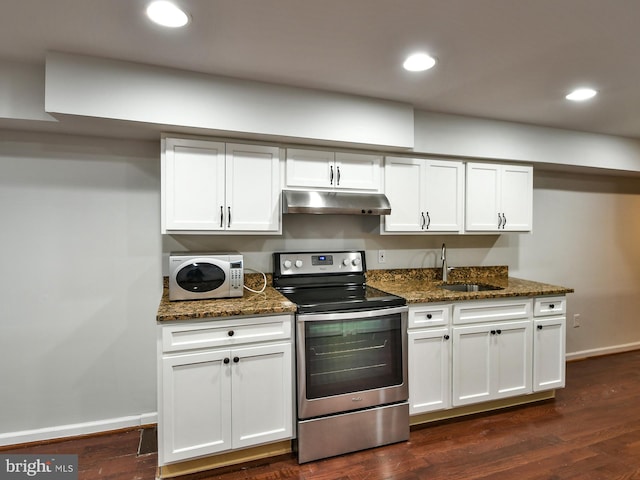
(424, 222)
(331, 176)
(338, 179)
(499, 221)
(504, 221)
(229, 217)
(428, 220)
(221, 216)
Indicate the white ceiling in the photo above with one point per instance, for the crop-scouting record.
(502, 59)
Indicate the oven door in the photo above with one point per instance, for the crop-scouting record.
(351, 360)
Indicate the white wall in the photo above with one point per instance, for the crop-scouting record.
(445, 134)
(96, 87)
(81, 280)
(82, 258)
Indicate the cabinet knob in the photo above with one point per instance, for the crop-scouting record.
(231, 333)
(429, 316)
(446, 337)
(226, 360)
(236, 359)
(493, 332)
(539, 327)
(552, 306)
(498, 332)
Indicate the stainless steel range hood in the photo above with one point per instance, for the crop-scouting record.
(319, 202)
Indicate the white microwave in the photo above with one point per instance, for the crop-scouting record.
(200, 276)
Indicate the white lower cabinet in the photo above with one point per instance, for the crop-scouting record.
(218, 399)
(549, 343)
(491, 361)
(429, 335)
(481, 350)
(429, 371)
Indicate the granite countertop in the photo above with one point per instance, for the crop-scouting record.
(416, 285)
(268, 302)
(421, 285)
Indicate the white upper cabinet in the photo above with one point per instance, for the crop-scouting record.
(327, 170)
(425, 195)
(210, 187)
(499, 198)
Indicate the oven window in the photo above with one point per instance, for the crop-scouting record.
(352, 355)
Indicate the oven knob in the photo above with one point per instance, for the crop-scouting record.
(355, 262)
(298, 263)
(345, 262)
(287, 264)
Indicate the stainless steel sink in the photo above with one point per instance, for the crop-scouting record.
(469, 287)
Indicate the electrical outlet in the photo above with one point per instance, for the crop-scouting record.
(576, 320)
(382, 256)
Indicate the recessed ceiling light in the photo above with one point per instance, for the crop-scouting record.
(581, 94)
(167, 14)
(419, 62)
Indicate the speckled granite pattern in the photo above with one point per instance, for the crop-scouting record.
(422, 285)
(416, 285)
(268, 302)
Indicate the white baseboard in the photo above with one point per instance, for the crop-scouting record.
(87, 428)
(596, 352)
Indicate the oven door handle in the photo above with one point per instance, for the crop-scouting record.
(359, 314)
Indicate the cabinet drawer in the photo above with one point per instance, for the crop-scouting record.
(491, 310)
(429, 316)
(218, 333)
(544, 306)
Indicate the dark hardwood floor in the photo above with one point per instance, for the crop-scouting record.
(590, 431)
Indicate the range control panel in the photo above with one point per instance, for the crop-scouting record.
(312, 263)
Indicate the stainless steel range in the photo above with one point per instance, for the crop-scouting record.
(351, 352)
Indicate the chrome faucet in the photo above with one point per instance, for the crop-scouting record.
(445, 269)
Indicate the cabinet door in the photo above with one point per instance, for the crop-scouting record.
(444, 196)
(517, 197)
(511, 358)
(252, 188)
(357, 171)
(471, 364)
(194, 418)
(310, 169)
(549, 353)
(192, 185)
(262, 394)
(482, 197)
(403, 186)
(429, 373)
